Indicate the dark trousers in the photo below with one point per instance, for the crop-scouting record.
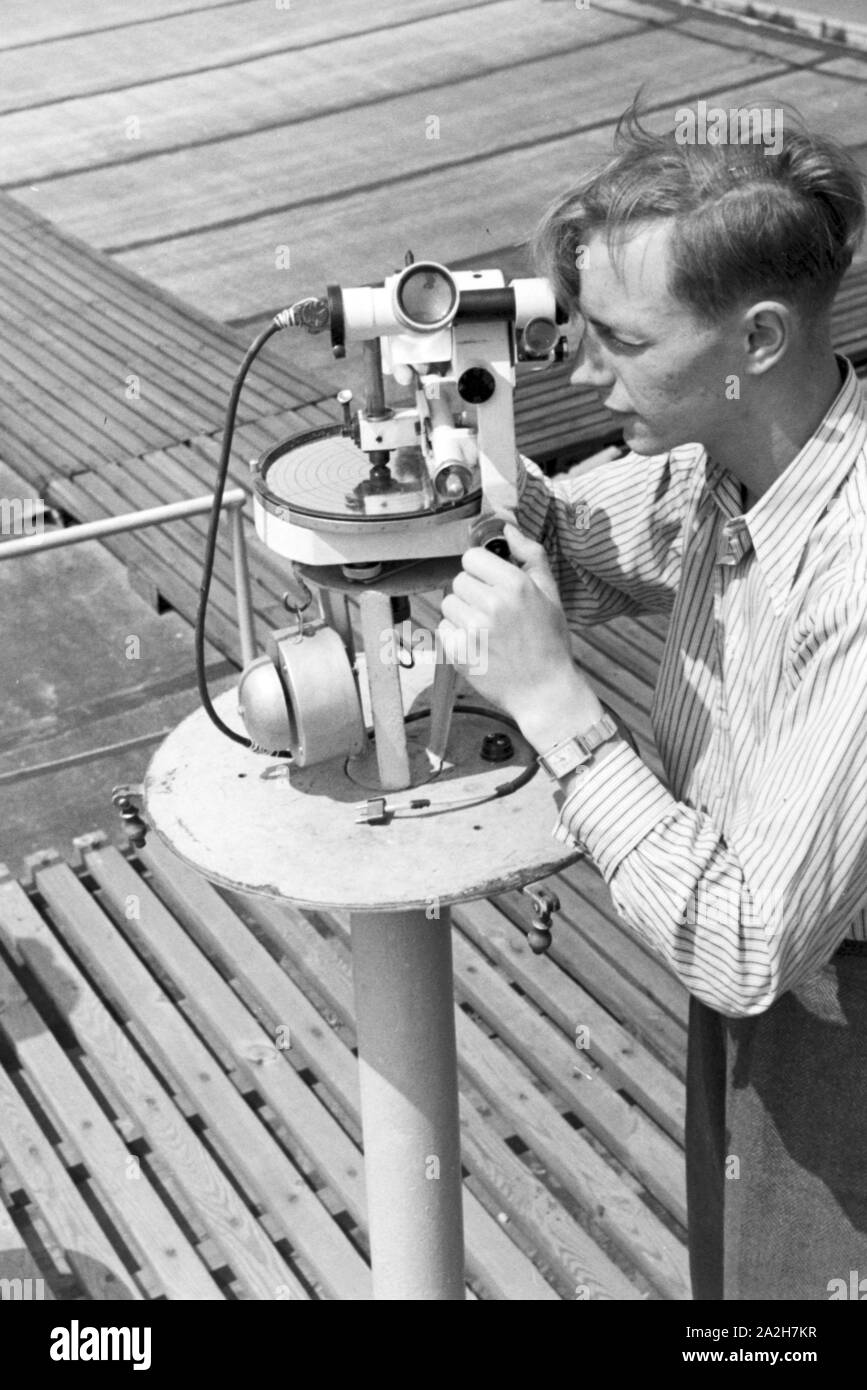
(776, 1143)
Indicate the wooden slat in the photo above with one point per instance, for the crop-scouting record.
(579, 956)
(105, 56)
(586, 1271)
(16, 1261)
(27, 237)
(134, 1205)
(575, 1080)
(31, 445)
(618, 688)
(610, 1200)
(170, 474)
(654, 623)
(48, 1184)
(63, 405)
(52, 19)
(255, 1154)
(386, 219)
(584, 898)
(260, 175)
(135, 203)
(646, 633)
(81, 318)
(83, 304)
(173, 553)
(229, 1222)
(499, 1265)
(491, 1256)
(48, 387)
(615, 1208)
(123, 490)
(92, 377)
(642, 665)
(624, 1061)
(429, 53)
(527, 1202)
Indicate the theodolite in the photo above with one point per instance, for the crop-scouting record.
(382, 506)
(368, 514)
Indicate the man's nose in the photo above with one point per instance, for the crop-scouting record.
(591, 368)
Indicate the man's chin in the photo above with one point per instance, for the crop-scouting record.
(641, 439)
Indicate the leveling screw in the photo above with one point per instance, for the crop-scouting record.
(497, 748)
(124, 800)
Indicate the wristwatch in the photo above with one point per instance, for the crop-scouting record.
(574, 752)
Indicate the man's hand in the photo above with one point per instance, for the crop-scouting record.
(511, 616)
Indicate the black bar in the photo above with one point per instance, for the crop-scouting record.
(487, 304)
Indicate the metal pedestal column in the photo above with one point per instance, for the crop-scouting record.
(404, 995)
(231, 815)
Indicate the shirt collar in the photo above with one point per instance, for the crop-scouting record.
(779, 524)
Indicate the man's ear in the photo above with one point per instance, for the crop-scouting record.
(767, 328)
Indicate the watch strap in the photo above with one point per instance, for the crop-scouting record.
(577, 750)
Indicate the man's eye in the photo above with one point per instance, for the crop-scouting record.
(609, 337)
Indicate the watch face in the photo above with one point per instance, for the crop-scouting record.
(576, 752)
(564, 760)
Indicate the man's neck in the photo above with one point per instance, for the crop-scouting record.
(775, 431)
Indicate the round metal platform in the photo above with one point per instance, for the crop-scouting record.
(250, 822)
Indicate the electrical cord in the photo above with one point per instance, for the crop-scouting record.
(416, 806)
(309, 313)
(280, 321)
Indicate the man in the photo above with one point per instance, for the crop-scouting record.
(703, 277)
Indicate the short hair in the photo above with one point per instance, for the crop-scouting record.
(749, 221)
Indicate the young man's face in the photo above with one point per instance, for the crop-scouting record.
(651, 361)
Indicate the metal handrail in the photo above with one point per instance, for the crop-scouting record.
(233, 500)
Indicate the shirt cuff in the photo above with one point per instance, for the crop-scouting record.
(610, 808)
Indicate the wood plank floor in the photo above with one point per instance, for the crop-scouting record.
(180, 1096)
(243, 161)
(178, 1087)
(162, 1136)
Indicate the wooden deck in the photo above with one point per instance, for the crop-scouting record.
(194, 148)
(178, 1088)
(180, 1105)
(129, 1176)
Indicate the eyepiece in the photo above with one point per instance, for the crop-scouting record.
(540, 337)
(425, 297)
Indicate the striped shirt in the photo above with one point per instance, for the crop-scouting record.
(750, 867)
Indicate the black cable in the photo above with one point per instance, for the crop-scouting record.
(458, 803)
(211, 543)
